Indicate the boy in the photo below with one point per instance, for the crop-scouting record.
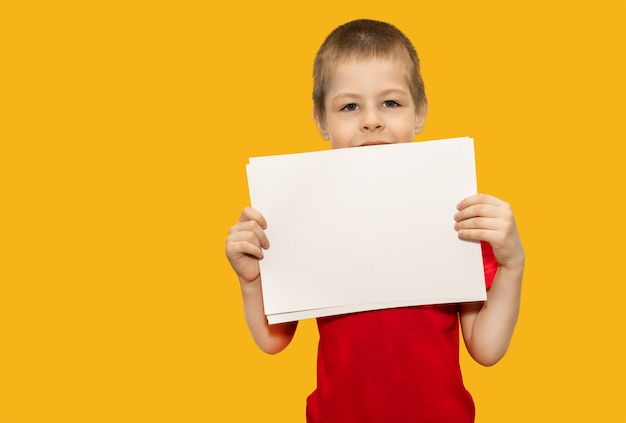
(402, 364)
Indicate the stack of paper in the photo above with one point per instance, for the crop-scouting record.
(365, 228)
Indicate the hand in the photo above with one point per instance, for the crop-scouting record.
(245, 244)
(483, 217)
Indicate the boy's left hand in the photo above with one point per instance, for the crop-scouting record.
(482, 217)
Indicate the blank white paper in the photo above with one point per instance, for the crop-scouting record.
(365, 228)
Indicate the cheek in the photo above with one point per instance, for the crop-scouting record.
(340, 134)
(406, 128)
(339, 142)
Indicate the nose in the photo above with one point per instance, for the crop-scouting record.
(372, 121)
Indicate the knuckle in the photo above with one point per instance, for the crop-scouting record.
(508, 226)
(246, 213)
(254, 225)
(249, 236)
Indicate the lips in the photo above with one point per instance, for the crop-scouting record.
(368, 143)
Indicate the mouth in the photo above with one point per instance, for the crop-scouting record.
(369, 143)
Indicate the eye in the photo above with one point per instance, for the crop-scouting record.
(350, 107)
(391, 103)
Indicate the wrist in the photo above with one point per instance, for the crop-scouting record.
(252, 287)
(515, 266)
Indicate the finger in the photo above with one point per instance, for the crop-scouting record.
(478, 199)
(239, 248)
(243, 243)
(252, 220)
(252, 214)
(252, 228)
(501, 243)
(477, 210)
(478, 223)
(479, 234)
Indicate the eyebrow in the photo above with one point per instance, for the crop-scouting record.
(393, 91)
(342, 96)
(390, 91)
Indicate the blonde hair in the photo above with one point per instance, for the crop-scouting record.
(361, 40)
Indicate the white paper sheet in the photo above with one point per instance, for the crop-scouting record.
(365, 228)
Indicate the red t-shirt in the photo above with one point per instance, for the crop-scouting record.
(394, 365)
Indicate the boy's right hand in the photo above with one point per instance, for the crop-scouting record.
(245, 244)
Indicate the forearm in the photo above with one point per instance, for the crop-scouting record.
(491, 327)
(269, 338)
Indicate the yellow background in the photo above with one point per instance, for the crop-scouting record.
(125, 128)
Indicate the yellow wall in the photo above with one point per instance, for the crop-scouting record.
(125, 127)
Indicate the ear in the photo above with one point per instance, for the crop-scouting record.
(420, 118)
(321, 126)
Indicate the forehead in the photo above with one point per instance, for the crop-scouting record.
(356, 60)
(369, 73)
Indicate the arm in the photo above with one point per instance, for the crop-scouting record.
(488, 326)
(244, 248)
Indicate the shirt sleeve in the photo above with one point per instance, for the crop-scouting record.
(489, 263)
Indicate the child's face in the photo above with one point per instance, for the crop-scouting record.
(369, 102)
